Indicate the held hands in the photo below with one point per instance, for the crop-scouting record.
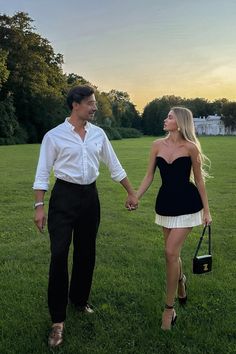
(40, 218)
(131, 202)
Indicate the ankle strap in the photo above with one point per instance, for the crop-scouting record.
(168, 307)
(182, 278)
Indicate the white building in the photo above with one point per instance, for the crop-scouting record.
(212, 125)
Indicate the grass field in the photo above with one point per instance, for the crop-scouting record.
(129, 279)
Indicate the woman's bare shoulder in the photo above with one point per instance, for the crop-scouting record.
(159, 142)
(191, 146)
(192, 149)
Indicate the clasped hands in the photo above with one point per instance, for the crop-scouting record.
(131, 202)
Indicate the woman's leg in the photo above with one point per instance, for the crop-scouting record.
(174, 239)
(181, 283)
(173, 247)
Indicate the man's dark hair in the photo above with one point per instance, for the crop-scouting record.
(78, 93)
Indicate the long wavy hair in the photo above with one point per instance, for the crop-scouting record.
(184, 119)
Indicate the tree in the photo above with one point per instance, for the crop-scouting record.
(104, 113)
(155, 113)
(31, 73)
(119, 101)
(217, 105)
(4, 72)
(200, 107)
(10, 132)
(35, 73)
(229, 114)
(73, 80)
(123, 111)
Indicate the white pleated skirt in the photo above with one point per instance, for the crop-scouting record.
(188, 220)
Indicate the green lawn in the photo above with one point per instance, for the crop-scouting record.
(129, 280)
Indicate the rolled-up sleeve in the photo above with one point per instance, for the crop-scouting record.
(46, 160)
(109, 157)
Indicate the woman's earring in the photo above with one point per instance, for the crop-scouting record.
(178, 129)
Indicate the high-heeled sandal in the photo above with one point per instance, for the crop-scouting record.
(183, 300)
(171, 319)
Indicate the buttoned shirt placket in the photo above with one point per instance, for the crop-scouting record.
(83, 145)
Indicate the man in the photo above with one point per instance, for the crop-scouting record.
(74, 150)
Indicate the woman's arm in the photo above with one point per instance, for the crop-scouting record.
(199, 181)
(150, 171)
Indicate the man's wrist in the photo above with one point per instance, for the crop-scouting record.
(131, 193)
(37, 204)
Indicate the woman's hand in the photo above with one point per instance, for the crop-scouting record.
(131, 202)
(207, 219)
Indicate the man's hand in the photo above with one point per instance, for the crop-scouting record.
(40, 218)
(131, 202)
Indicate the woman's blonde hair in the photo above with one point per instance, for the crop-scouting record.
(184, 119)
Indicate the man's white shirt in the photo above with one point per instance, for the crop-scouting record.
(73, 159)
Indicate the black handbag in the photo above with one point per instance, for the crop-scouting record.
(203, 264)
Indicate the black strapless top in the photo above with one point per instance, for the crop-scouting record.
(177, 194)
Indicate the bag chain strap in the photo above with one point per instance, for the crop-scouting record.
(201, 238)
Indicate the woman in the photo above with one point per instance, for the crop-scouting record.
(180, 204)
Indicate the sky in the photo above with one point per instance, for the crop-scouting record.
(146, 48)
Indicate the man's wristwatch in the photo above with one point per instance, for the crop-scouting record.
(38, 204)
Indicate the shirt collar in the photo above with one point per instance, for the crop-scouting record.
(86, 127)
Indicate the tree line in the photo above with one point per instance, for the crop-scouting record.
(33, 89)
(155, 112)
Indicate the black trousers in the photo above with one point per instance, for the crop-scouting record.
(74, 212)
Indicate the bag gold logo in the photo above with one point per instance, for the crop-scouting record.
(205, 267)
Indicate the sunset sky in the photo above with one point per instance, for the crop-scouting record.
(147, 48)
